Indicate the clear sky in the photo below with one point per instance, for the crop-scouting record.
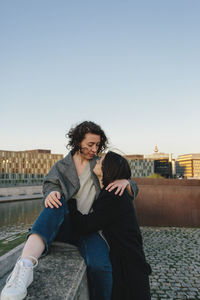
(131, 66)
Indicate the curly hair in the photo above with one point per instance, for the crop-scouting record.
(76, 135)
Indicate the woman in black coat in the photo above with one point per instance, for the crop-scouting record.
(115, 216)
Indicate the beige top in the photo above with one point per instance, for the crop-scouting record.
(86, 194)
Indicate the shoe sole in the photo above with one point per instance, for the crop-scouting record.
(6, 297)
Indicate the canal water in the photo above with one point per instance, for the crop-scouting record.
(18, 216)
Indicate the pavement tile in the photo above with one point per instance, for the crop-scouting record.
(174, 255)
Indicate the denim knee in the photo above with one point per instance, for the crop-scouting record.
(48, 223)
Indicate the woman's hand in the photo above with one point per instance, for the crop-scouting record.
(53, 200)
(120, 184)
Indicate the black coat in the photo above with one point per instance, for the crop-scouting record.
(115, 216)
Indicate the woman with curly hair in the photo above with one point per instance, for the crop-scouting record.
(72, 176)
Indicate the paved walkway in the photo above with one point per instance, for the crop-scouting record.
(174, 255)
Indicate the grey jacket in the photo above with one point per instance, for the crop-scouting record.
(63, 178)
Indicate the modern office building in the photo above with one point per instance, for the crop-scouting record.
(25, 167)
(161, 156)
(188, 165)
(146, 165)
(141, 167)
(164, 164)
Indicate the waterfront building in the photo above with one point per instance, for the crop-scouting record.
(146, 165)
(25, 167)
(141, 167)
(188, 165)
(164, 164)
(161, 156)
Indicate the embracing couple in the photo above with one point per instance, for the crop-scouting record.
(88, 199)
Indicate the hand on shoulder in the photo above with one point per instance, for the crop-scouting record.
(119, 184)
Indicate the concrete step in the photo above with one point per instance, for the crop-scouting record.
(59, 275)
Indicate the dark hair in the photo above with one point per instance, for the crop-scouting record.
(115, 166)
(77, 134)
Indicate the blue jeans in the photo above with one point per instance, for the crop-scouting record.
(54, 224)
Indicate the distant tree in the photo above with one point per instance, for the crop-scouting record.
(155, 175)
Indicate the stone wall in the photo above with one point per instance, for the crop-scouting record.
(10, 194)
(168, 202)
(160, 202)
(20, 190)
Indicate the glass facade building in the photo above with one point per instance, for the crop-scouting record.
(141, 167)
(188, 165)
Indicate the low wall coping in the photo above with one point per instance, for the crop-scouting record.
(59, 275)
(162, 181)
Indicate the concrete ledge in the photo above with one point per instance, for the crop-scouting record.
(59, 275)
(20, 198)
(20, 193)
(8, 260)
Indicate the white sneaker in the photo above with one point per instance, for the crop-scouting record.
(18, 281)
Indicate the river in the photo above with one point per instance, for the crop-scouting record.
(18, 216)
